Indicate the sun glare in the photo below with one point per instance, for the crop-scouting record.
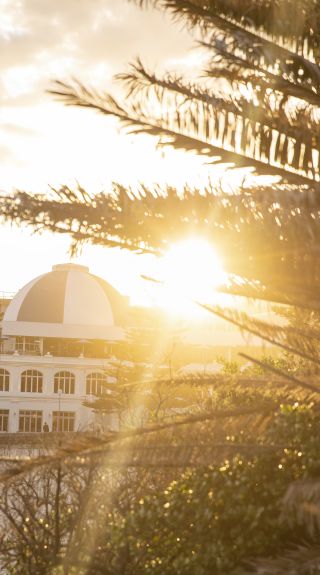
(190, 272)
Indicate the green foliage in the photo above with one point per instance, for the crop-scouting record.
(307, 320)
(230, 367)
(210, 520)
(283, 363)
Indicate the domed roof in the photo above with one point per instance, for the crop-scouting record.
(67, 302)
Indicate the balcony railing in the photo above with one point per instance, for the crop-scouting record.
(5, 295)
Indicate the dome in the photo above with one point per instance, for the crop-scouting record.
(68, 302)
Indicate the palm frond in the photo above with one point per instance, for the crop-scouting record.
(194, 128)
(258, 53)
(293, 22)
(232, 65)
(260, 130)
(273, 232)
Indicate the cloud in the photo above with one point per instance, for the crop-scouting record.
(42, 39)
(87, 30)
(41, 141)
(18, 130)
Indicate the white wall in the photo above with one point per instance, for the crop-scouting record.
(48, 401)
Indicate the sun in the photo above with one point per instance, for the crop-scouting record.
(189, 272)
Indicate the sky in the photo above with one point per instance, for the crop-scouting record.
(44, 143)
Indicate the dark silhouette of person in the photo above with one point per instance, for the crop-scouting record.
(45, 427)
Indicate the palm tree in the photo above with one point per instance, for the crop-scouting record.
(254, 105)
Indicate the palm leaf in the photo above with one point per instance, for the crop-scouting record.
(183, 130)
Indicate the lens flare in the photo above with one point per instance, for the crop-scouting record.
(190, 271)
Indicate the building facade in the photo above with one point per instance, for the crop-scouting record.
(58, 335)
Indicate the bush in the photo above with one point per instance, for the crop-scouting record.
(211, 519)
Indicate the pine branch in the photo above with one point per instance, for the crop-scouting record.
(88, 447)
(301, 505)
(283, 375)
(292, 341)
(301, 559)
(256, 290)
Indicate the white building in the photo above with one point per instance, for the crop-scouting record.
(57, 337)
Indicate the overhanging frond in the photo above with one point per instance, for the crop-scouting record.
(267, 237)
(195, 130)
(275, 134)
(293, 21)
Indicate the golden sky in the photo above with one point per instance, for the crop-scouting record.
(44, 143)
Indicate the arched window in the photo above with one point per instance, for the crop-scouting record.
(65, 381)
(4, 380)
(31, 381)
(95, 383)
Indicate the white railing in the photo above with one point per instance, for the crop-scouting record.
(6, 294)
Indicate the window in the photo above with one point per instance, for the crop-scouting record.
(31, 381)
(30, 421)
(64, 380)
(95, 384)
(63, 420)
(4, 380)
(27, 345)
(4, 419)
